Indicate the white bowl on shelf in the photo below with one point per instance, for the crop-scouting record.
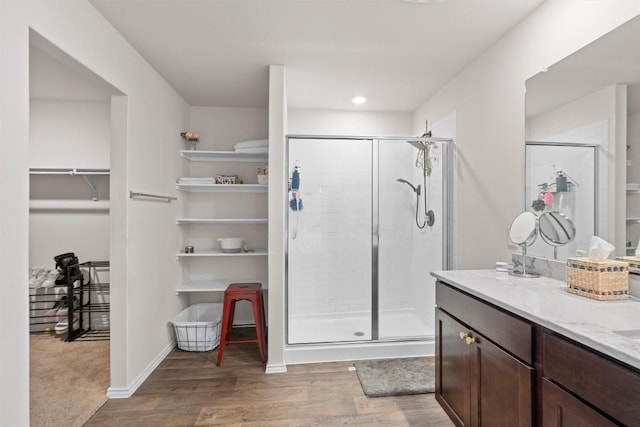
(231, 244)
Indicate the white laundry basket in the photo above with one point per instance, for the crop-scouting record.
(198, 327)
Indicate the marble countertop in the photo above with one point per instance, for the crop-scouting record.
(610, 327)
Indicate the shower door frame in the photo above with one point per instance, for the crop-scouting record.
(447, 211)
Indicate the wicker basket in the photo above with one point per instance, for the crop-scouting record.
(598, 279)
(634, 263)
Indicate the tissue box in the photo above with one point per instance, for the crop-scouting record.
(634, 263)
(600, 279)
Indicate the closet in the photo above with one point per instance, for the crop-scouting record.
(69, 212)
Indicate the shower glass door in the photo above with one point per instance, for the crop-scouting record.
(329, 246)
(409, 246)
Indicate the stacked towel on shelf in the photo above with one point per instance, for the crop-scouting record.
(192, 180)
(252, 147)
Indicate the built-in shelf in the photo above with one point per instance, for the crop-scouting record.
(222, 156)
(221, 220)
(631, 248)
(214, 285)
(222, 188)
(219, 253)
(633, 191)
(633, 220)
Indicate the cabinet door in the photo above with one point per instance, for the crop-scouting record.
(453, 379)
(502, 386)
(561, 409)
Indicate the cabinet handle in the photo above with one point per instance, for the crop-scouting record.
(463, 335)
(469, 340)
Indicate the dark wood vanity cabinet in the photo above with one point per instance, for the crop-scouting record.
(478, 380)
(494, 368)
(590, 388)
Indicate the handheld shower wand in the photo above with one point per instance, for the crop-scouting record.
(415, 189)
(429, 215)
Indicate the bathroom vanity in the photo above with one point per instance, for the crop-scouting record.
(519, 351)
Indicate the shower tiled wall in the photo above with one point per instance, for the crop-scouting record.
(329, 260)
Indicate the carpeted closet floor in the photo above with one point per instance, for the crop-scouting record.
(68, 380)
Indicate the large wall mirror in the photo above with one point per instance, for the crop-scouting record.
(583, 125)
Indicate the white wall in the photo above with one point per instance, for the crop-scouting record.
(489, 98)
(358, 123)
(143, 158)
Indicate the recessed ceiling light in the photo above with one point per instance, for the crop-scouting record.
(358, 100)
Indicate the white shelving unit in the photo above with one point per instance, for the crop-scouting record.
(218, 285)
(217, 252)
(222, 156)
(632, 221)
(215, 285)
(222, 188)
(221, 221)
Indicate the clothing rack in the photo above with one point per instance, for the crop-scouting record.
(137, 195)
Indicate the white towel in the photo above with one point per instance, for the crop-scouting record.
(192, 180)
(252, 144)
(254, 150)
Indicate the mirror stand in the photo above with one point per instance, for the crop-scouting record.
(524, 272)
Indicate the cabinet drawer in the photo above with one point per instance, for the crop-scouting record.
(511, 333)
(561, 409)
(605, 384)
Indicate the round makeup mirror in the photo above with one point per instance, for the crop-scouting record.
(523, 232)
(556, 229)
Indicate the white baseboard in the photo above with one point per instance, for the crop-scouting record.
(126, 392)
(275, 369)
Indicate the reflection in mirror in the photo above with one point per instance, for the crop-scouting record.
(593, 97)
(523, 232)
(562, 177)
(556, 229)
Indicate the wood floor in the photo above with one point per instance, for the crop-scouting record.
(188, 389)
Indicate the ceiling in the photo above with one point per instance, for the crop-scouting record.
(397, 53)
(612, 59)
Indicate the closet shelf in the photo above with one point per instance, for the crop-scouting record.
(632, 220)
(219, 253)
(222, 156)
(214, 285)
(52, 205)
(89, 175)
(222, 188)
(68, 171)
(221, 220)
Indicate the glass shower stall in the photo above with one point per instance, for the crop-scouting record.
(367, 223)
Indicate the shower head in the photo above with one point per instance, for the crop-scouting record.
(415, 189)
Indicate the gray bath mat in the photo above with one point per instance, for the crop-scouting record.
(394, 377)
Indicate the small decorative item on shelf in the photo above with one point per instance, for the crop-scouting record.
(228, 179)
(191, 137)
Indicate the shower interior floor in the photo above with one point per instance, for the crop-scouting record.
(356, 326)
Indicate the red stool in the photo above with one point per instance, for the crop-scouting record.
(237, 292)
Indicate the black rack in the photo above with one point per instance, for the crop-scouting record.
(83, 293)
(83, 308)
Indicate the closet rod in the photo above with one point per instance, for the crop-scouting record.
(134, 194)
(68, 171)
